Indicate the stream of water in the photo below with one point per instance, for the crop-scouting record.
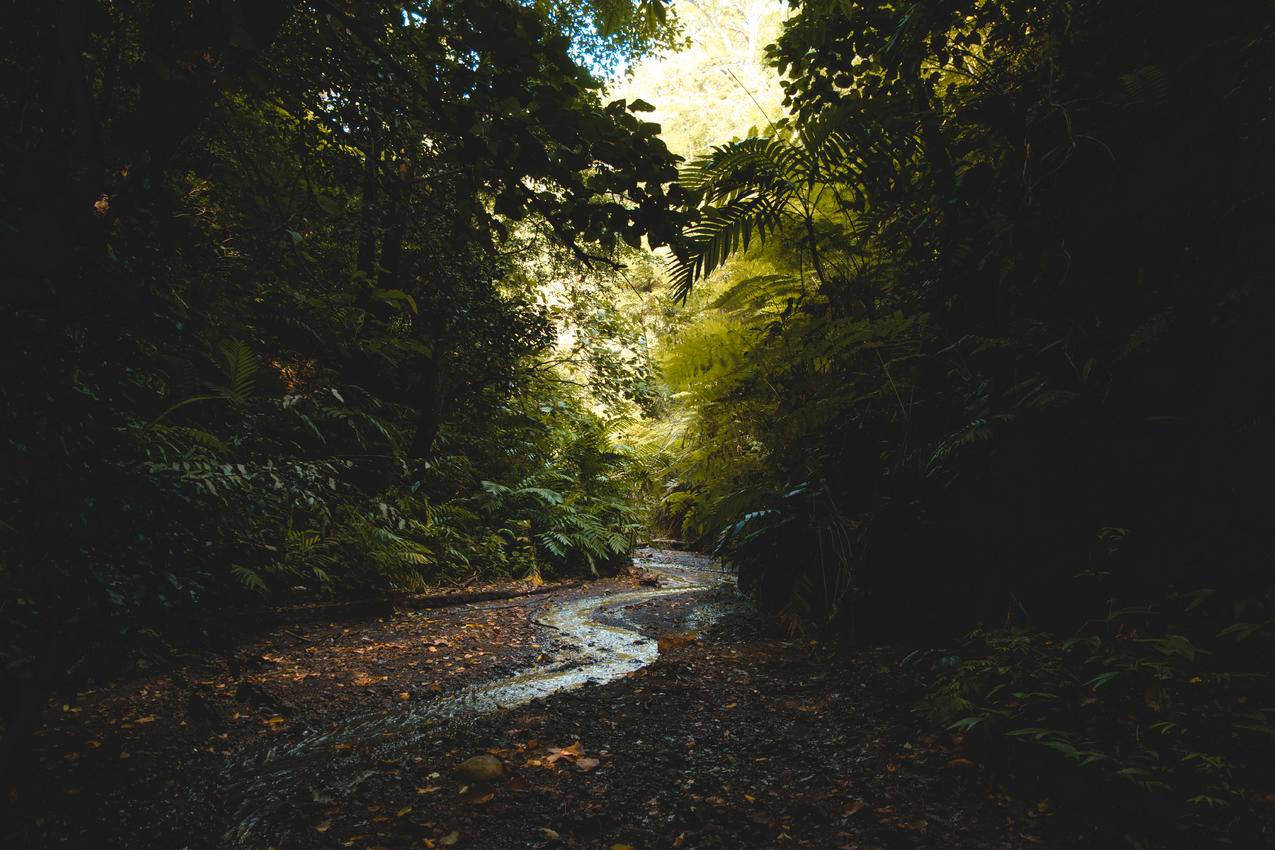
(330, 763)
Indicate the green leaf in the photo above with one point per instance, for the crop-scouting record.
(249, 578)
(1102, 679)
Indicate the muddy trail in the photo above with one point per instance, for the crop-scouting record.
(637, 712)
(593, 643)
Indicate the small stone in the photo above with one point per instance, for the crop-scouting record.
(484, 768)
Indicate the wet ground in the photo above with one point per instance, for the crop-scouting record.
(589, 641)
(637, 712)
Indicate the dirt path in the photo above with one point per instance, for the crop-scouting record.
(350, 735)
(332, 762)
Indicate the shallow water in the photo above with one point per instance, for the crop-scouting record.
(329, 763)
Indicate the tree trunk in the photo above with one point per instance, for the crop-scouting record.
(367, 214)
(430, 417)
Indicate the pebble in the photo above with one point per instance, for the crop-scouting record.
(483, 768)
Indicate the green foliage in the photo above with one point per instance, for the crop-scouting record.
(960, 342)
(953, 328)
(605, 34)
(755, 186)
(1121, 718)
(302, 555)
(297, 309)
(586, 520)
(240, 366)
(239, 374)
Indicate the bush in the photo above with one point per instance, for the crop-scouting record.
(1162, 738)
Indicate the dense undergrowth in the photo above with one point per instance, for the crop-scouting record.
(978, 340)
(1162, 738)
(310, 299)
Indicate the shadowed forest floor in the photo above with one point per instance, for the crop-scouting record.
(730, 739)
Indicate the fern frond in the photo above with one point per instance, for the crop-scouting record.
(239, 366)
(249, 578)
(758, 291)
(722, 231)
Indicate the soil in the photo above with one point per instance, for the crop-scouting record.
(731, 739)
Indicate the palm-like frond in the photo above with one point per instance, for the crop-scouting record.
(720, 232)
(751, 186)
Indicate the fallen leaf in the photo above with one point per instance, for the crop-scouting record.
(323, 826)
(551, 834)
(669, 642)
(621, 847)
(124, 755)
(449, 839)
(402, 811)
(587, 763)
(556, 753)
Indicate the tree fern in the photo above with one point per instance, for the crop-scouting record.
(755, 185)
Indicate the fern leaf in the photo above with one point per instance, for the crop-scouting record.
(239, 366)
(249, 578)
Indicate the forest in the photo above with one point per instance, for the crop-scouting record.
(637, 423)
